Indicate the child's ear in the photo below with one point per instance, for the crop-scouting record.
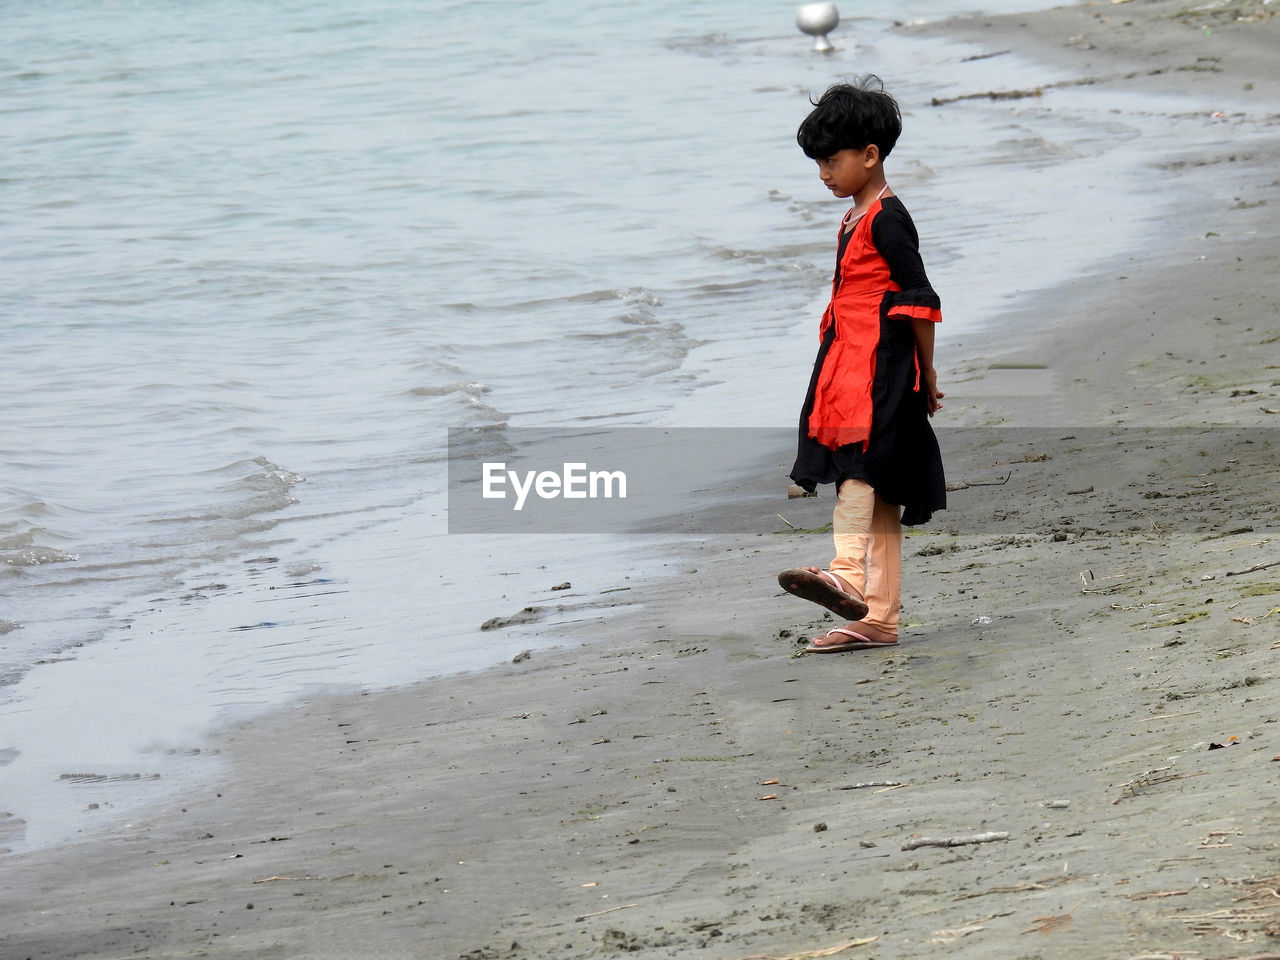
(870, 156)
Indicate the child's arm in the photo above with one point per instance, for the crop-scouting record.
(924, 356)
(895, 237)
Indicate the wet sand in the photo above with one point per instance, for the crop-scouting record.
(679, 782)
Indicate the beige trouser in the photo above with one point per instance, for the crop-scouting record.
(868, 535)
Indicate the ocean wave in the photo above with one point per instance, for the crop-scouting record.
(272, 488)
(707, 44)
(467, 387)
(26, 544)
(807, 251)
(633, 295)
(656, 340)
(478, 413)
(35, 556)
(21, 512)
(257, 486)
(15, 541)
(467, 408)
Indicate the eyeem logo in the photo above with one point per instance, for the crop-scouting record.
(574, 482)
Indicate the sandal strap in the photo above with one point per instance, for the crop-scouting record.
(833, 580)
(849, 633)
(855, 637)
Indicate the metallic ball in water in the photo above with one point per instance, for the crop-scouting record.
(817, 20)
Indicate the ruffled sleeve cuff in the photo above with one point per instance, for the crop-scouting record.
(918, 304)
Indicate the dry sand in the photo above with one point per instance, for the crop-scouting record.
(681, 784)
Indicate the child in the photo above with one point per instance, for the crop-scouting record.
(865, 420)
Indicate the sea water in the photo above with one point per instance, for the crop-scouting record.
(260, 258)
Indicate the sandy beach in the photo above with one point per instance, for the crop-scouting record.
(1072, 753)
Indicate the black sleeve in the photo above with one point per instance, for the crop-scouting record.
(895, 237)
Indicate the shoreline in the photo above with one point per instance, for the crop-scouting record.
(606, 796)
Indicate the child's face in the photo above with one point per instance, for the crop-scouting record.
(848, 171)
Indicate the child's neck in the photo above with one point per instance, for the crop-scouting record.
(870, 193)
(875, 188)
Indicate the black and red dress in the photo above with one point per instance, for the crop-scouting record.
(865, 416)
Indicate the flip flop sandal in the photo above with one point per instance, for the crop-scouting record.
(856, 641)
(825, 590)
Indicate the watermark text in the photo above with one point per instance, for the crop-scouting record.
(573, 482)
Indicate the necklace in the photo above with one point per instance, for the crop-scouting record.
(850, 223)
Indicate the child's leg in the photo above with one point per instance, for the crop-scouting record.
(868, 537)
(851, 525)
(884, 568)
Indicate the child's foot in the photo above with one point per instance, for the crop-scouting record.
(825, 589)
(856, 636)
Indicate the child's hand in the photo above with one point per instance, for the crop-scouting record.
(929, 381)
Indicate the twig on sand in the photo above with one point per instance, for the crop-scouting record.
(949, 936)
(1168, 716)
(1087, 577)
(966, 484)
(1052, 880)
(600, 913)
(1147, 780)
(1034, 92)
(273, 879)
(1242, 914)
(815, 954)
(1254, 569)
(792, 528)
(915, 842)
(991, 483)
(990, 95)
(1049, 924)
(871, 783)
(1156, 894)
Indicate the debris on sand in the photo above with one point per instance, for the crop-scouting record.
(527, 615)
(916, 842)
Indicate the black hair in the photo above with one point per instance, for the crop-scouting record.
(851, 116)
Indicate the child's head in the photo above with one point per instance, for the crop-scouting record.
(851, 116)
